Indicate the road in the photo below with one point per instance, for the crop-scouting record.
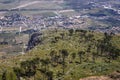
(26, 4)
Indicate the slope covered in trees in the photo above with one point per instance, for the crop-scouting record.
(65, 55)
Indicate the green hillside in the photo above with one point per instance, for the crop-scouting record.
(65, 55)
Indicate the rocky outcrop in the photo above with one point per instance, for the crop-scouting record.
(34, 40)
(97, 78)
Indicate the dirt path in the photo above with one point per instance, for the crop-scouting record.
(27, 4)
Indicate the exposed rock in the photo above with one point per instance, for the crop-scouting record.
(115, 75)
(34, 40)
(97, 78)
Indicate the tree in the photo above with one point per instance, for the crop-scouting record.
(89, 37)
(80, 53)
(17, 72)
(83, 33)
(106, 47)
(71, 32)
(89, 48)
(52, 54)
(45, 63)
(29, 68)
(73, 55)
(64, 54)
(112, 53)
(9, 75)
(4, 75)
(62, 35)
(94, 55)
(45, 69)
(49, 74)
(115, 53)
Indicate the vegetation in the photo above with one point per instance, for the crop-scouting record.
(66, 55)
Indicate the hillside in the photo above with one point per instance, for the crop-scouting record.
(59, 54)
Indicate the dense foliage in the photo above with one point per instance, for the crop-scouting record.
(67, 54)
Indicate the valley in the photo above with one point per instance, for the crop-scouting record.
(59, 40)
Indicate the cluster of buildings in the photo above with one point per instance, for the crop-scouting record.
(40, 22)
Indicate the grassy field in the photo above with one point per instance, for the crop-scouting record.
(46, 8)
(14, 43)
